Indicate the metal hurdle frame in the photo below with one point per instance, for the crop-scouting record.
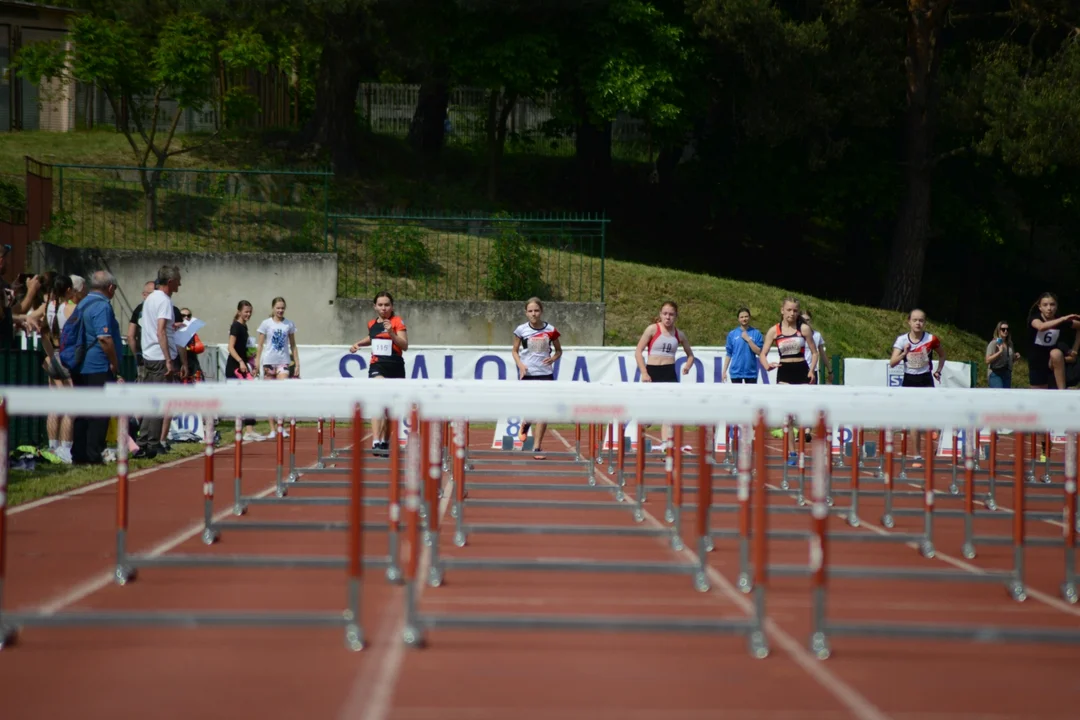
(128, 564)
(823, 628)
(423, 475)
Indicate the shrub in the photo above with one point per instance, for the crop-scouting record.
(513, 266)
(399, 250)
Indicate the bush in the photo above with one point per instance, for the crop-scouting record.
(514, 267)
(399, 250)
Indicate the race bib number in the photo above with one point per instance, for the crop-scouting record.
(918, 360)
(790, 346)
(540, 345)
(381, 347)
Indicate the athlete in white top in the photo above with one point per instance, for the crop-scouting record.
(535, 350)
(916, 350)
(662, 340)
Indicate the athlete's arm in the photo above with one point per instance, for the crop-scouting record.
(640, 349)
(1076, 340)
(766, 345)
(515, 349)
(940, 362)
(557, 344)
(749, 339)
(258, 353)
(689, 352)
(1040, 324)
(295, 354)
(808, 335)
(401, 339)
(898, 354)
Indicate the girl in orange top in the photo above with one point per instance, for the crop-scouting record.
(388, 339)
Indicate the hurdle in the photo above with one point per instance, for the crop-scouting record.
(422, 475)
(128, 564)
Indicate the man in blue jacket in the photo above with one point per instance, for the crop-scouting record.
(98, 333)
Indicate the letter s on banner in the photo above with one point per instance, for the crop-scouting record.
(346, 359)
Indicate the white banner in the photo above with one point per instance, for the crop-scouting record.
(466, 362)
(878, 373)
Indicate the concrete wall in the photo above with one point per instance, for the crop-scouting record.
(212, 284)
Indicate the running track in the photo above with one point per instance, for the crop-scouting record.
(61, 557)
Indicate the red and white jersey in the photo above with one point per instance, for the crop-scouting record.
(920, 354)
(663, 344)
(536, 347)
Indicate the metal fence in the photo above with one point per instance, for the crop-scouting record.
(188, 209)
(479, 257)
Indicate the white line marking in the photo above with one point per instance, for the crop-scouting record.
(99, 582)
(41, 502)
(371, 694)
(859, 706)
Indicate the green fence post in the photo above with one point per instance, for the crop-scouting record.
(603, 253)
(836, 369)
(974, 374)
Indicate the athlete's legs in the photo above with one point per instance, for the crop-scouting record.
(379, 425)
(1057, 364)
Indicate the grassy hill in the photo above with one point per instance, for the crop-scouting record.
(633, 291)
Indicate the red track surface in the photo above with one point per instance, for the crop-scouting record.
(61, 555)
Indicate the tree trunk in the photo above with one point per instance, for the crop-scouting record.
(427, 131)
(907, 258)
(496, 136)
(345, 55)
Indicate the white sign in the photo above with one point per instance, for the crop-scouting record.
(468, 362)
(878, 373)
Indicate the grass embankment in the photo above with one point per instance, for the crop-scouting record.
(633, 291)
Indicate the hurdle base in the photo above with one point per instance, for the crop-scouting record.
(9, 636)
(587, 623)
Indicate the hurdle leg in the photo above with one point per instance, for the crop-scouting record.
(784, 484)
(239, 507)
(800, 497)
(927, 545)
(279, 477)
(819, 643)
(319, 457)
(1068, 587)
(669, 470)
(853, 509)
(968, 548)
(393, 570)
(124, 573)
(595, 453)
(759, 647)
(433, 483)
(887, 472)
(1016, 584)
(954, 487)
(991, 480)
(8, 633)
(639, 470)
(744, 471)
(293, 474)
(209, 535)
(675, 488)
(412, 634)
(704, 505)
(459, 482)
(354, 633)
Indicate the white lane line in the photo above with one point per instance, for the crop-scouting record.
(854, 701)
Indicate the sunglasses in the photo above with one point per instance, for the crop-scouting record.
(1004, 329)
(185, 317)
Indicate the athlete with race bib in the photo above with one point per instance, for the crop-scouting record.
(1046, 360)
(536, 349)
(388, 339)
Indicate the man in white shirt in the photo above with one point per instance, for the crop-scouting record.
(160, 355)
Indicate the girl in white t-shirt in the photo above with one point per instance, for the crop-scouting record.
(277, 341)
(276, 344)
(536, 348)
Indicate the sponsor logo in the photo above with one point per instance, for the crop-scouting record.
(598, 411)
(191, 406)
(1010, 419)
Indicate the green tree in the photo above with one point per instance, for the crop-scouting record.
(140, 74)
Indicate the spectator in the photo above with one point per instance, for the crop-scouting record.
(98, 333)
(134, 336)
(741, 351)
(194, 348)
(58, 428)
(160, 355)
(1000, 357)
